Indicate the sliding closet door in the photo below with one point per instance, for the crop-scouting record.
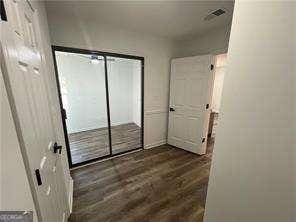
(124, 83)
(83, 91)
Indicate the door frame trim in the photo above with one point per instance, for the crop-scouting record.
(103, 54)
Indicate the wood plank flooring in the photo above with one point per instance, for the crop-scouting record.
(92, 144)
(163, 184)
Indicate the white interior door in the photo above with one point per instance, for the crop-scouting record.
(190, 95)
(24, 70)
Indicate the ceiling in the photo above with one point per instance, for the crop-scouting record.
(176, 20)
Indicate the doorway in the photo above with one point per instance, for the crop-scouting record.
(219, 74)
(101, 99)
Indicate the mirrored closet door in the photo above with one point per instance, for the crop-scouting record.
(101, 98)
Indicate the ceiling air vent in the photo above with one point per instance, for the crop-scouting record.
(214, 14)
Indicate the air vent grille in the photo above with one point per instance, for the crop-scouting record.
(218, 12)
(214, 14)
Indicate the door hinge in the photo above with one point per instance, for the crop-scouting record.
(203, 140)
(64, 113)
(3, 15)
(207, 106)
(38, 177)
(212, 66)
(172, 109)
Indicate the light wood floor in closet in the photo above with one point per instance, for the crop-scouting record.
(92, 144)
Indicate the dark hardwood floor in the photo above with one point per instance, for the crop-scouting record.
(163, 184)
(92, 144)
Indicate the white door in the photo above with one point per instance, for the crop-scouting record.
(190, 95)
(23, 70)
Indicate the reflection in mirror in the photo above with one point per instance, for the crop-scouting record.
(82, 85)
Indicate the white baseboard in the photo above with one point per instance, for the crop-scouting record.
(70, 195)
(159, 143)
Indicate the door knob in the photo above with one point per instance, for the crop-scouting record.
(57, 148)
(172, 109)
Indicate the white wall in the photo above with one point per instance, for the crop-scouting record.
(120, 81)
(253, 168)
(212, 42)
(84, 93)
(123, 90)
(73, 32)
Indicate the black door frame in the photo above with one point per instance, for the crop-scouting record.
(104, 55)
